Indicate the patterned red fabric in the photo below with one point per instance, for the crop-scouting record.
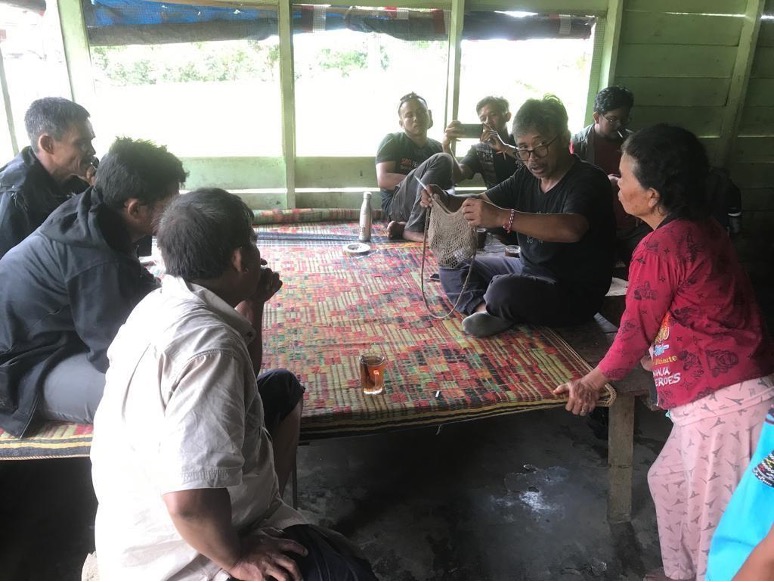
(304, 215)
(690, 297)
(334, 307)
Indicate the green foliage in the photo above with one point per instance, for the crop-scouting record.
(220, 61)
(345, 62)
(384, 58)
(185, 63)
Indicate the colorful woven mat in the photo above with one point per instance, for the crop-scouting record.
(304, 215)
(317, 233)
(335, 306)
(51, 440)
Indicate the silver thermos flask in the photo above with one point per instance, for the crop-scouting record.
(365, 218)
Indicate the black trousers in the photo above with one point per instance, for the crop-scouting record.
(518, 294)
(331, 556)
(280, 392)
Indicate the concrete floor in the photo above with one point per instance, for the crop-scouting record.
(520, 497)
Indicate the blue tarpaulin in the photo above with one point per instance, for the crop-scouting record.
(261, 22)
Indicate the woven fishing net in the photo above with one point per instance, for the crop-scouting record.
(452, 241)
(449, 236)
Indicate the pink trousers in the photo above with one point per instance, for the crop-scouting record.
(699, 467)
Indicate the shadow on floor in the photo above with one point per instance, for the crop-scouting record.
(521, 497)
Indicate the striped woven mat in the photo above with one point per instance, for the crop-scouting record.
(316, 233)
(335, 306)
(306, 215)
(51, 440)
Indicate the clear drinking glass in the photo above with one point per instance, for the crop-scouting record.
(372, 368)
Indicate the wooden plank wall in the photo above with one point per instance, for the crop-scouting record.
(679, 58)
(752, 161)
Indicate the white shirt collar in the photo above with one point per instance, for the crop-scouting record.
(178, 286)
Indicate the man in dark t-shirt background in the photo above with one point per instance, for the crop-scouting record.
(404, 161)
(494, 114)
(560, 210)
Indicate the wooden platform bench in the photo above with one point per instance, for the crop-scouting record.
(335, 306)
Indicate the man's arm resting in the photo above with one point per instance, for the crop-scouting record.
(15, 224)
(460, 171)
(386, 177)
(253, 312)
(252, 309)
(561, 228)
(203, 519)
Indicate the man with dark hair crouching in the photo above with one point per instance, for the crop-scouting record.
(67, 287)
(182, 463)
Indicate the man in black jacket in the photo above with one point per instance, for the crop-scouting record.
(67, 288)
(600, 144)
(44, 173)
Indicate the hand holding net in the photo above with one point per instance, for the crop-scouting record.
(452, 240)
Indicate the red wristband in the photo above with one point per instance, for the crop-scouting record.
(509, 225)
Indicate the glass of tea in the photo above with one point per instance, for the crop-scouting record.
(372, 373)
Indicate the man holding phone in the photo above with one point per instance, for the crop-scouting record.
(408, 159)
(494, 114)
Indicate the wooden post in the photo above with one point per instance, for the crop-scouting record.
(288, 88)
(77, 54)
(620, 441)
(456, 22)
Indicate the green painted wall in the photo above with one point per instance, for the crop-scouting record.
(752, 157)
(705, 64)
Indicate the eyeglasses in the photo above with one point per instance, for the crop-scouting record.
(540, 151)
(617, 121)
(411, 97)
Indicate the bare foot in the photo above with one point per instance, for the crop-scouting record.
(395, 229)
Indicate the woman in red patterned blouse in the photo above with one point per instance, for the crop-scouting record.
(692, 318)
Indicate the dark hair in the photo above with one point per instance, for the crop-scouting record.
(137, 169)
(546, 116)
(613, 97)
(411, 97)
(54, 116)
(499, 102)
(672, 161)
(200, 230)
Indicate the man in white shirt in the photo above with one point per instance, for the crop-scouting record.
(182, 463)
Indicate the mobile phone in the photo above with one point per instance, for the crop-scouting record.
(471, 129)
